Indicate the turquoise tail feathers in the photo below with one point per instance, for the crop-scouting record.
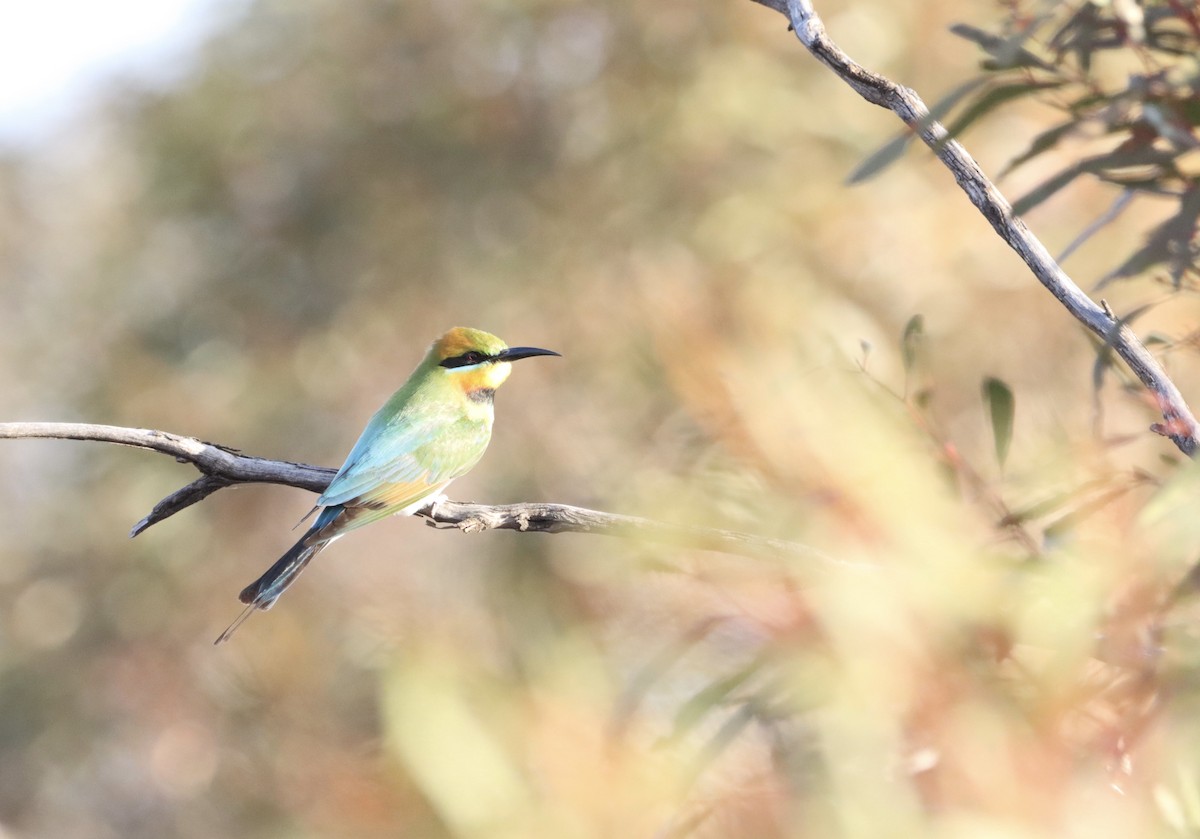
(263, 592)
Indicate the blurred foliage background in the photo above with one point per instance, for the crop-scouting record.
(260, 254)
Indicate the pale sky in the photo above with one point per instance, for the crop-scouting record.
(54, 53)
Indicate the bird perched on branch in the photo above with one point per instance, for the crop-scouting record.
(431, 431)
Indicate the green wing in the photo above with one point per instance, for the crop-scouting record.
(406, 456)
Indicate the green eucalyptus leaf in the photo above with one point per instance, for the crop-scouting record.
(998, 398)
(910, 342)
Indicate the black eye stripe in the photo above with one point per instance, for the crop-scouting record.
(466, 359)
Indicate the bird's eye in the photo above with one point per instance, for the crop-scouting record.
(467, 359)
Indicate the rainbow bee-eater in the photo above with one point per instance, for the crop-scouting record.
(431, 431)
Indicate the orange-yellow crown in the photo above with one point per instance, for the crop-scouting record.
(461, 340)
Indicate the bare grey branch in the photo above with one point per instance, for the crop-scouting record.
(1178, 422)
(221, 467)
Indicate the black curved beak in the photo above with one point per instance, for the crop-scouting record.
(516, 353)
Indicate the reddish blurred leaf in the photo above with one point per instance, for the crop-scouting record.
(1007, 52)
(1173, 242)
(1043, 142)
(994, 98)
(1107, 166)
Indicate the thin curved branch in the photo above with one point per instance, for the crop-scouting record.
(221, 466)
(1178, 422)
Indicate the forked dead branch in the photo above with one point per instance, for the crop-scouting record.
(221, 466)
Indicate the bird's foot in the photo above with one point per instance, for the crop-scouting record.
(435, 502)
